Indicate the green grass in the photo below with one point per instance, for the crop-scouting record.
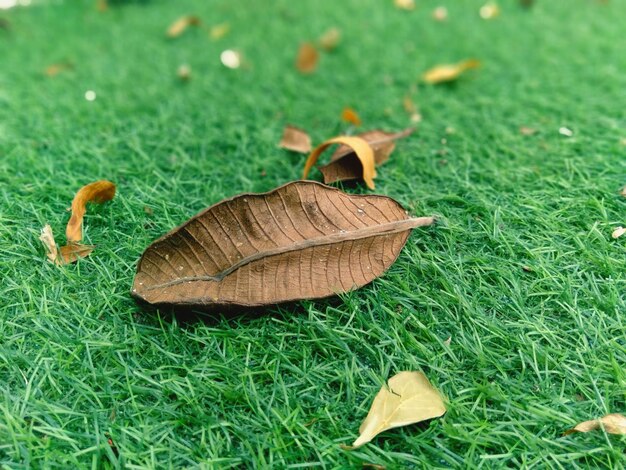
(532, 352)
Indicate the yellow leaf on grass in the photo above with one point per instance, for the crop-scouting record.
(98, 192)
(449, 72)
(330, 39)
(351, 116)
(306, 61)
(409, 398)
(179, 26)
(612, 423)
(489, 11)
(295, 139)
(219, 31)
(404, 4)
(362, 149)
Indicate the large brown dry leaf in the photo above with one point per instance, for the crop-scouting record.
(302, 240)
(179, 26)
(409, 398)
(295, 139)
(306, 61)
(66, 254)
(98, 192)
(612, 423)
(344, 163)
(362, 150)
(449, 72)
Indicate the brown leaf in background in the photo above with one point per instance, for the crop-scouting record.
(351, 116)
(295, 139)
(449, 72)
(362, 150)
(102, 5)
(179, 26)
(330, 39)
(306, 61)
(302, 240)
(55, 69)
(612, 423)
(218, 31)
(97, 192)
(344, 163)
(409, 398)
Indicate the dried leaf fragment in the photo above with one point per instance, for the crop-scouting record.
(489, 11)
(218, 31)
(525, 130)
(623, 191)
(330, 39)
(306, 60)
(411, 109)
(295, 139)
(47, 238)
(409, 398)
(183, 72)
(351, 116)
(362, 150)
(613, 423)
(96, 192)
(404, 4)
(440, 13)
(618, 232)
(449, 72)
(68, 253)
(302, 240)
(178, 27)
(345, 164)
(54, 69)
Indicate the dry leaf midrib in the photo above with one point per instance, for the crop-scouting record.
(365, 232)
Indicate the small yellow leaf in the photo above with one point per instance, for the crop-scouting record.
(404, 4)
(449, 72)
(351, 116)
(362, 149)
(409, 398)
(618, 232)
(295, 139)
(612, 423)
(440, 13)
(489, 11)
(306, 61)
(330, 39)
(179, 26)
(184, 72)
(219, 31)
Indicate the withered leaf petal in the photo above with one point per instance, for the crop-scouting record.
(47, 238)
(409, 398)
(73, 252)
(295, 139)
(345, 165)
(351, 116)
(179, 26)
(302, 240)
(97, 192)
(449, 72)
(362, 150)
(613, 423)
(306, 61)
(330, 39)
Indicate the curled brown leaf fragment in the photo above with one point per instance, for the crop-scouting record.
(97, 192)
(409, 398)
(330, 39)
(613, 423)
(300, 241)
(361, 149)
(306, 60)
(449, 72)
(351, 116)
(346, 165)
(66, 254)
(179, 26)
(295, 139)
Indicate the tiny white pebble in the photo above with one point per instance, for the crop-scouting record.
(566, 131)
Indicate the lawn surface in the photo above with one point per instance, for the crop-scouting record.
(521, 273)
